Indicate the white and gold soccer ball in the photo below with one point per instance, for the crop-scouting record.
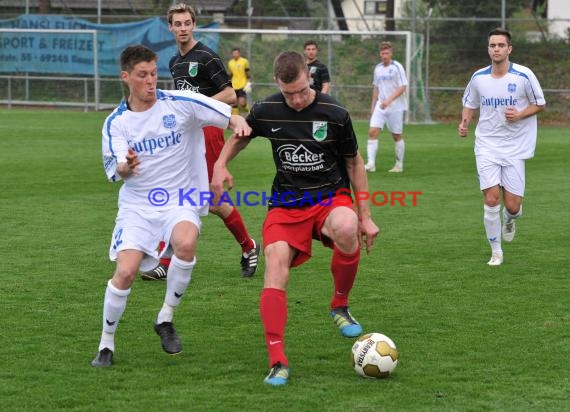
(374, 355)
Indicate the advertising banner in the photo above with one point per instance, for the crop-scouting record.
(70, 52)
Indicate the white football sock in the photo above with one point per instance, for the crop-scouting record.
(371, 150)
(177, 279)
(507, 217)
(492, 222)
(399, 149)
(114, 305)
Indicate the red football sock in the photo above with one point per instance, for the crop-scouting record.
(235, 224)
(165, 260)
(273, 310)
(343, 268)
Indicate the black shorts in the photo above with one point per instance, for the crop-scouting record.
(241, 93)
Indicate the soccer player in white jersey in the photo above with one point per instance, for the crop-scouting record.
(508, 97)
(388, 106)
(153, 141)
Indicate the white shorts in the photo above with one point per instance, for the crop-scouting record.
(143, 230)
(393, 119)
(508, 173)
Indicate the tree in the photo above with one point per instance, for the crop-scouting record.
(467, 36)
(480, 8)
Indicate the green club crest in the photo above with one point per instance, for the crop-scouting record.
(192, 69)
(319, 131)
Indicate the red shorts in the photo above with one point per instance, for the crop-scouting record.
(214, 139)
(299, 226)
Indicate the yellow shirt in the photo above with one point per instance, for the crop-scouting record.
(238, 71)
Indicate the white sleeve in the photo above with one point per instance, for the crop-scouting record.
(201, 110)
(403, 80)
(471, 96)
(114, 148)
(534, 91)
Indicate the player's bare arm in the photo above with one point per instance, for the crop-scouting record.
(359, 183)
(466, 116)
(221, 174)
(239, 126)
(130, 167)
(399, 91)
(375, 94)
(228, 96)
(513, 115)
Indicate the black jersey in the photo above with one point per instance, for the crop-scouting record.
(309, 148)
(200, 70)
(319, 75)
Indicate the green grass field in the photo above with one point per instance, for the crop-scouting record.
(471, 337)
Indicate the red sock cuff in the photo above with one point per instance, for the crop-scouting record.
(345, 257)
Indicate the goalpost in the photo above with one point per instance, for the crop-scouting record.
(349, 55)
(72, 68)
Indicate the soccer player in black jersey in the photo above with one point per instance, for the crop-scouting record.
(320, 77)
(198, 68)
(317, 161)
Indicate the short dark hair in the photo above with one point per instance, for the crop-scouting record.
(180, 8)
(236, 49)
(501, 31)
(288, 65)
(133, 55)
(310, 43)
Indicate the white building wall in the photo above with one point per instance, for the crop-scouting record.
(357, 19)
(559, 9)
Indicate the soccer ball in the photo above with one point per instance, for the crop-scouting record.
(374, 355)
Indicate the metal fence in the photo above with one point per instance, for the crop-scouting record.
(452, 51)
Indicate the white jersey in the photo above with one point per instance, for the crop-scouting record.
(387, 79)
(494, 136)
(169, 142)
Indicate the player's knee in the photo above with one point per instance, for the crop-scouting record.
(492, 201)
(124, 277)
(185, 250)
(492, 197)
(345, 234)
(513, 209)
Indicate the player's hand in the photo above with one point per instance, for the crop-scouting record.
(462, 129)
(247, 88)
(511, 114)
(220, 176)
(132, 159)
(239, 126)
(131, 166)
(368, 233)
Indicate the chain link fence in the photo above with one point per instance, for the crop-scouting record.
(448, 52)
